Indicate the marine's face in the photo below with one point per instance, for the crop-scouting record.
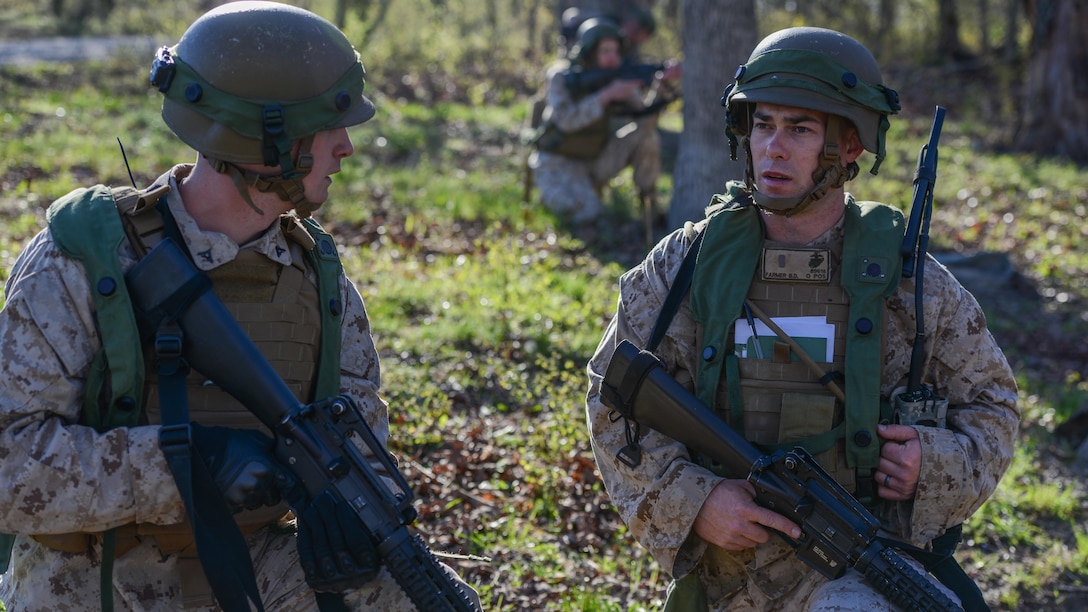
(328, 149)
(786, 144)
(607, 54)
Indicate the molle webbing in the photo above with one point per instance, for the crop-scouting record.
(278, 309)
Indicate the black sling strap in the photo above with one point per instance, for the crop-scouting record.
(679, 289)
(223, 553)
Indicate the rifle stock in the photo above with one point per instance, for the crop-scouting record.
(837, 531)
(321, 443)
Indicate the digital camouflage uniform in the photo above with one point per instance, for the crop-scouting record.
(571, 187)
(61, 477)
(961, 465)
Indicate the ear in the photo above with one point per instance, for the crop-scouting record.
(850, 148)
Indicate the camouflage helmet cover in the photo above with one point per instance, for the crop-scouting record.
(249, 78)
(590, 34)
(818, 69)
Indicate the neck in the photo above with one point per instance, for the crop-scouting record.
(215, 204)
(809, 224)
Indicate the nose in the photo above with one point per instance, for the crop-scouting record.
(775, 146)
(343, 146)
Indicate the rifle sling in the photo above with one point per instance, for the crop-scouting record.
(679, 289)
(223, 553)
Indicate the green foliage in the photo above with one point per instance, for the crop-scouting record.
(485, 310)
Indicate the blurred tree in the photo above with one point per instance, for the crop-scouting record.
(718, 36)
(949, 45)
(1054, 108)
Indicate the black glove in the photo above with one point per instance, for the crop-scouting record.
(242, 464)
(334, 548)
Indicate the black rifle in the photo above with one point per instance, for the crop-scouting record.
(582, 82)
(837, 532)
(320, 443)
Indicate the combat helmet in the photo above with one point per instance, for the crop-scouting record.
(822, 70)
(249, 79)
(590, 34)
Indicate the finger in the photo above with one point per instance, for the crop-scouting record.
(898, 433)
(887, 466)
(740, 542)
(883, 479)
(774, 520)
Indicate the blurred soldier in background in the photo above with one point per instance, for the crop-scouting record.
(599, 116)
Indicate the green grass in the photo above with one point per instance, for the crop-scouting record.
(485, 309)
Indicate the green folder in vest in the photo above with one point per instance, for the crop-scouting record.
(814, 334)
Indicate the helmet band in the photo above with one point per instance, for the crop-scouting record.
(180, 83)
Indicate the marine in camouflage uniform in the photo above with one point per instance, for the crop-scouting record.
(64, 482)
(593, 141)
(929, 479)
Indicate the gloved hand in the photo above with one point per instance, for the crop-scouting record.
(334, 549)
(242, 463)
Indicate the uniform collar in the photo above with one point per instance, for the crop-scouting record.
(213, 249)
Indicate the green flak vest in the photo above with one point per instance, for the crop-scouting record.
(87, 225)
(724, 269)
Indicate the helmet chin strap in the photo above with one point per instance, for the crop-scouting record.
(830, 174)
(288, 186)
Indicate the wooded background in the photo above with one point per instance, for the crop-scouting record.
(485, 309)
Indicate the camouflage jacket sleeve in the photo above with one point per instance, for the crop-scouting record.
(961, 465)
(658, 499)
(568, 114)
(58, 476)
(360, 374)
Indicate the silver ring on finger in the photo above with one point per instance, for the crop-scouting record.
(887, 479)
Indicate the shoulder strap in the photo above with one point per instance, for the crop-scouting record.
(326, 262)
(870, 273)
(677, 291)
(86, 226)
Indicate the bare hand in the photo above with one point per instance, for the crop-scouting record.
(731, 519)
(673, 71)
(618, 91)
(900, 462)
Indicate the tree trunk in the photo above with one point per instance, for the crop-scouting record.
(949, 45)
(984, 26)
(1054, 112)
(1010, 48)
(718, 36)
